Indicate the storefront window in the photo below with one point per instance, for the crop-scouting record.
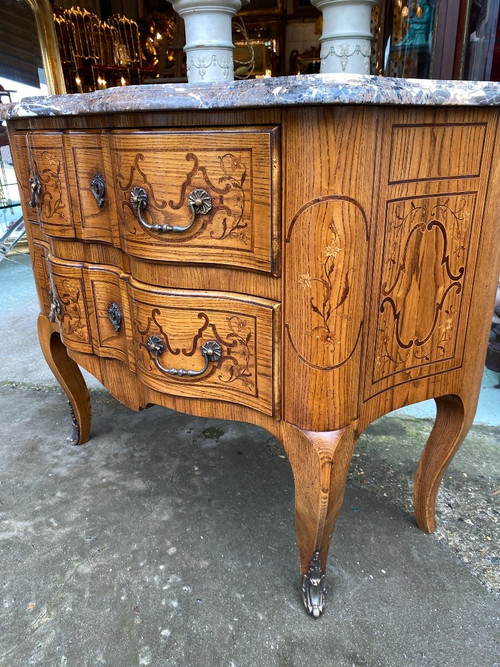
(481, 53)
(409, 49)
(441, 39)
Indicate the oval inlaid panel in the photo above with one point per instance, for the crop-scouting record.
(326, 276)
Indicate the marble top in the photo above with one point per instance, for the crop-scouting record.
(269, 92)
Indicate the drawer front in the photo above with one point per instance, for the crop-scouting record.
(49, 179)
(108, 300)
(91, 185)
(175, 330)
(232, 174)
(69, 304)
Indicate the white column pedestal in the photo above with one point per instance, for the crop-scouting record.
(346, 39)
(209, 46)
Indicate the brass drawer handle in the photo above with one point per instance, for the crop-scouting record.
(211, 351)
(55, 306)
(199, 202)
(98, 189)
(115, 316)
(35, 189)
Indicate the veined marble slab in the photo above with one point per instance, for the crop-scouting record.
(270, 92)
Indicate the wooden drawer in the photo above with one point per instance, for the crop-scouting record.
(69, 168)
(91, 185)
(69, 304)
(48, 167)
(171, 328)
(108, 302)
(238, 170)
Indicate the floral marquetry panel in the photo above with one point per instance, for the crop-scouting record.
(69, 307)
(326, 255)
(325, 280)
(183, 322)
(235, 175)
(51, 201)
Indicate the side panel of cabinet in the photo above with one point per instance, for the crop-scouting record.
(435, 178)
(330, 158)
(36, 239)
(20, 157)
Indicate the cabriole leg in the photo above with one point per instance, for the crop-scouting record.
(453, 420)
(69, 376)
(320, 463)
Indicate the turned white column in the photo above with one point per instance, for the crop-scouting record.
(346, 39)
(209, 44)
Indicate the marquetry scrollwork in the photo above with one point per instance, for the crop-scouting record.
(72, 308)
(49, 187)
(67, 307)
(216, 192)
(237, 341)
(422, 281)
(227, 348)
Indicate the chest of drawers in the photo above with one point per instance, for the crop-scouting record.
(304, 267)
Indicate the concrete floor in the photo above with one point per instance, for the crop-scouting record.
(169, 540)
